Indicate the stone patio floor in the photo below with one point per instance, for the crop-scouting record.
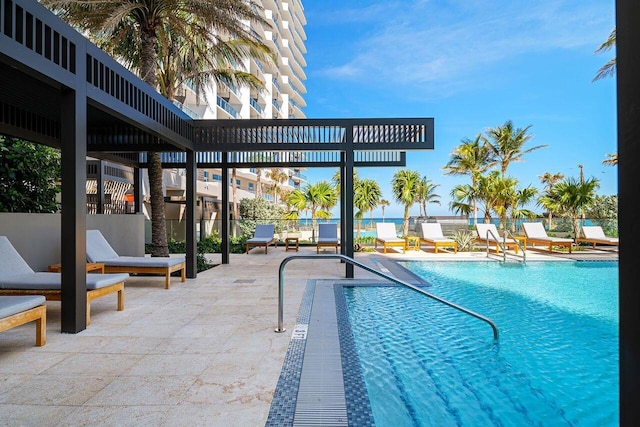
(203, 353)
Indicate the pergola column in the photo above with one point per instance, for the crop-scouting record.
(192, 250)
(225, 247)
(73, 135)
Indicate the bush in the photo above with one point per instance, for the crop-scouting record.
(466, 241)
(258, 211)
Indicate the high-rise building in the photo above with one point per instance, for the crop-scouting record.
(282, 97)
(283, 93)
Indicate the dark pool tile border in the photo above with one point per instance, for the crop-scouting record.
(283, 406)
(357, 398)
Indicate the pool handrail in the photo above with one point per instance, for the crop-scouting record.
(352, 261)
(503, 245)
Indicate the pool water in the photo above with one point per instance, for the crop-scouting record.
(556, 362)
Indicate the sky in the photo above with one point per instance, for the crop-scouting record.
(471, 65)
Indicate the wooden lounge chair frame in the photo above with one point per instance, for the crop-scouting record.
(611, 241)
(265, 242)
(56, 295)
(37, 314)
(437, 241)
(133, 268)
(389, 241)
(550, 242)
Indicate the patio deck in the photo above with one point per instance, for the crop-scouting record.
(202, 353)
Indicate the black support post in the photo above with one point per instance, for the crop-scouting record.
(74, 210)
(100, 189)
(347, 198)
(628, 90)
(225, 210)
(137, 190)
(192, 250)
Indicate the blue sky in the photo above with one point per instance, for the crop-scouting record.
(470, 65)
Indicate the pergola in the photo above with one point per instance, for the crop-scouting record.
(59, 89)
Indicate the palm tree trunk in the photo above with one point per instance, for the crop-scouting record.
(159, 247)
(405, 221)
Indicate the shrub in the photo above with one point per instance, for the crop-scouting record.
(466, 241)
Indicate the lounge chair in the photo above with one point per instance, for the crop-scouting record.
(432, 235)
(593, 234)
(488, 234)
(100, 251)
(17, 278)
(262, 236)
(535, 233)
(386, 235)
(327, 236)
(19, 310)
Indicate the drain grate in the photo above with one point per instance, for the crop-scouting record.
(244, 281)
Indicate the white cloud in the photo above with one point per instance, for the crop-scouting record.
(447, 43)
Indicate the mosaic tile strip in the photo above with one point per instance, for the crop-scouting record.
(358, 407)
(283, 405)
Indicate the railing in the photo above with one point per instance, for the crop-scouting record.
(503, 245)
(352, 261)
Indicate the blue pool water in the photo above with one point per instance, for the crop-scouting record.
(556, 362)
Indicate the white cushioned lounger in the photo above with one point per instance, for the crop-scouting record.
(18, 310)
(17, 278)
(99, 250)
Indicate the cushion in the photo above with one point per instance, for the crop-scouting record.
(98, 249)
(11, 263)
(53, 281)
(264, 231)
(134, 261)
(10, 305)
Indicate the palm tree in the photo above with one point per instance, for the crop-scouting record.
(278, 176)
(138, 29)
(608, 69)
(611, 160)
(366, 196)
(573, 197)
(470, 158)
(404, 185)
(383, 203)
(318, 198)
(426, 195)
(506, 144)
(548, 180)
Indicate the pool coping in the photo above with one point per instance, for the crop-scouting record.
(322, 332)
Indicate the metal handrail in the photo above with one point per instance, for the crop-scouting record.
(352, 261)
(522, 247)
(503, 245)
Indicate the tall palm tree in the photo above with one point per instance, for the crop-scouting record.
(383, 204)
(141, 26)
(471, 158)
(404, 185)
(366, 197)
(318, 198)
(426, 195)
(278, 176)
(573, 197)
(611, 160)
(506, 144)
(548, 180)
(608, 69)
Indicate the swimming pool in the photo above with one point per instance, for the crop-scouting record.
(556, 362)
